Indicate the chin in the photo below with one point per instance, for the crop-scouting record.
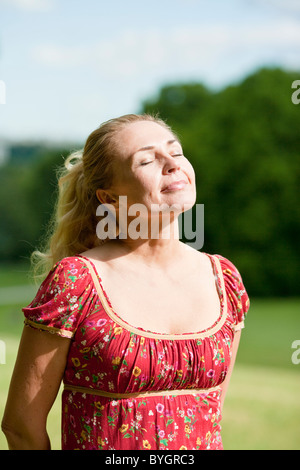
(181, 204)
(185, 199)
(188, 205)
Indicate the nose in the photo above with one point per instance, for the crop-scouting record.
(171, 164)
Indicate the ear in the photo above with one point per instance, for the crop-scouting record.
(105, 197)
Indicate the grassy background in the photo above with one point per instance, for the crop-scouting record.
(262, 407)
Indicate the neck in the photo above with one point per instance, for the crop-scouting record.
(155, 247)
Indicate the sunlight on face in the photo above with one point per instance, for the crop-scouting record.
(151, 168)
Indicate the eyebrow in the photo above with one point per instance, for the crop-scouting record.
(151, 147)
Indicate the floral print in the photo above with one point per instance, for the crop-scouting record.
(128, 388)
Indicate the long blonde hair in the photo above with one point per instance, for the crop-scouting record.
(72, 229)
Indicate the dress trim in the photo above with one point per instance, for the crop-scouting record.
(150, 393)
(239, 326)
(51, 329)
(149, 334)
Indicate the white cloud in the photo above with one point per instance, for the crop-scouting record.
(60, 56)
(180, 51)
(289, 6)
(31, 5)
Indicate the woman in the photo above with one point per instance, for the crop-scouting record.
(144, 330)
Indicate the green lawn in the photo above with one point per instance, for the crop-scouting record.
(14, 274)
(262, 408)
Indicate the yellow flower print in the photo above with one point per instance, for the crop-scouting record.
(187, 429)
(208, 436)
(116, 361)
(198, 442)
(118, 330)
(101, 441)
(76, 361)
(227, 271)
(85, 350)
(179, 373)
(123, 428)
(136, 371)
(142, 340)
(99, 406)
(56, 278)
(183, 448)
(146, 445)
(83, 435)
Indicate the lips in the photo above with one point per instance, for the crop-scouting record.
(174, 186)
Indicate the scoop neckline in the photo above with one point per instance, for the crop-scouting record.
(140, 331)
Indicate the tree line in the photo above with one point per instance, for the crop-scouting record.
(244, 144)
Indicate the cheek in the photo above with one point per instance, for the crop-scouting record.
(146, 182)
(140, 190)
(191, 172)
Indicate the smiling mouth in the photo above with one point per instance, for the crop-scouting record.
(175, 186)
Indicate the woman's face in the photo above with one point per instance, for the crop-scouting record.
(151, 169)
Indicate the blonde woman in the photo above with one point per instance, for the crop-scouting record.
(144, 330)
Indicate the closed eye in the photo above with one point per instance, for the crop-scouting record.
(151, 161)
(146, 163)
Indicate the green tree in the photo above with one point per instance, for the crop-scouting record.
(244, 144)
(27, 198)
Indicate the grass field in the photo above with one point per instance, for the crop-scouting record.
(262, 408)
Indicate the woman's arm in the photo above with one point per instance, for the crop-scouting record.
(234, 350)
(34, 386)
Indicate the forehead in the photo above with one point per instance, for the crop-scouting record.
(137, 135)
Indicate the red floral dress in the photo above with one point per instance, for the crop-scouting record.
(127, 388)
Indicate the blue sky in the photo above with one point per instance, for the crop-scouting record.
(68, 65)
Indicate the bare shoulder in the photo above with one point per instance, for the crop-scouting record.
(196, 256)
(102, 253)
(105, 257)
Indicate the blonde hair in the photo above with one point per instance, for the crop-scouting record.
(72, 229)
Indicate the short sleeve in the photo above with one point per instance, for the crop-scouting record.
(236, 292)
(61, 300)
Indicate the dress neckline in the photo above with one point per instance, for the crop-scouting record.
(139, 331)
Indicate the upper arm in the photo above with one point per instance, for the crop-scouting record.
(51, 319)
(35, 382)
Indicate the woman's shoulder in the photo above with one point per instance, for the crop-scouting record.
(226, 264)
(61, 300)
(70, 261)
(229, 269)
(235, 290)
(208, 258)
(69, 265)
(69, 271)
